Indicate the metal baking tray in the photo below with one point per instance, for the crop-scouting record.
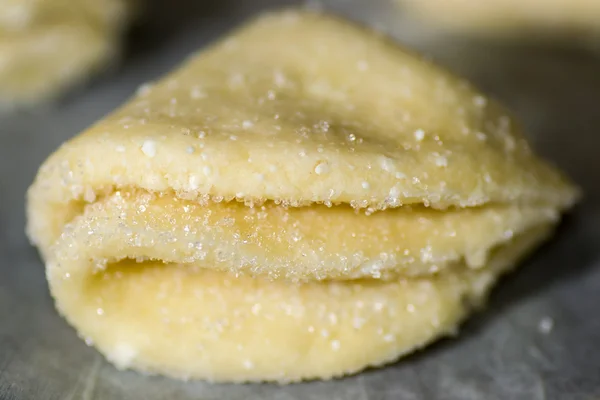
(539, 338)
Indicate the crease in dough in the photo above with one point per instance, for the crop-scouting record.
(281, 213)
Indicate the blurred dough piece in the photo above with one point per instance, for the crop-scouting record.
(48, 45)
(276, 212)
(531, 19)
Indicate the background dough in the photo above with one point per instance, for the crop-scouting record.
(561, 20)
(48, 45)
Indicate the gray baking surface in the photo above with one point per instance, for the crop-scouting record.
(538, 339)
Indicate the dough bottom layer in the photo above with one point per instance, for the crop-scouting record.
(192, 323)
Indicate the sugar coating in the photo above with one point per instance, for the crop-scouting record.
(419, 135)
(122, 355)
(280, 213)
(297, 244)
(149, 148)
(322, 168)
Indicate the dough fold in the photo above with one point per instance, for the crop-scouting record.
(280, 213)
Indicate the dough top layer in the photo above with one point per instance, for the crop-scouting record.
(303, 108)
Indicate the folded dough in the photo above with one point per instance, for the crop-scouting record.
(47, 45)
(284, 212)
(531, 19)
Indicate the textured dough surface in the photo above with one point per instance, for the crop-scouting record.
(341, 116)
(555, 18)
(47, 45)
(290, 243)
(276, 212)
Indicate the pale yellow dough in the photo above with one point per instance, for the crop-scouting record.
(49, 45)
(276, 212)
(530, 19)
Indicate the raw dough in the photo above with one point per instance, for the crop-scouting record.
(531, 19)
(48, 45)
(277, 212)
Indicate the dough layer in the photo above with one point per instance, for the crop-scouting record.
(343, 116)
(276, 212)
(291, 243)
(187, 321)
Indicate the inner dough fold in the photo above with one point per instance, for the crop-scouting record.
(295, 244)
(276, 212)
